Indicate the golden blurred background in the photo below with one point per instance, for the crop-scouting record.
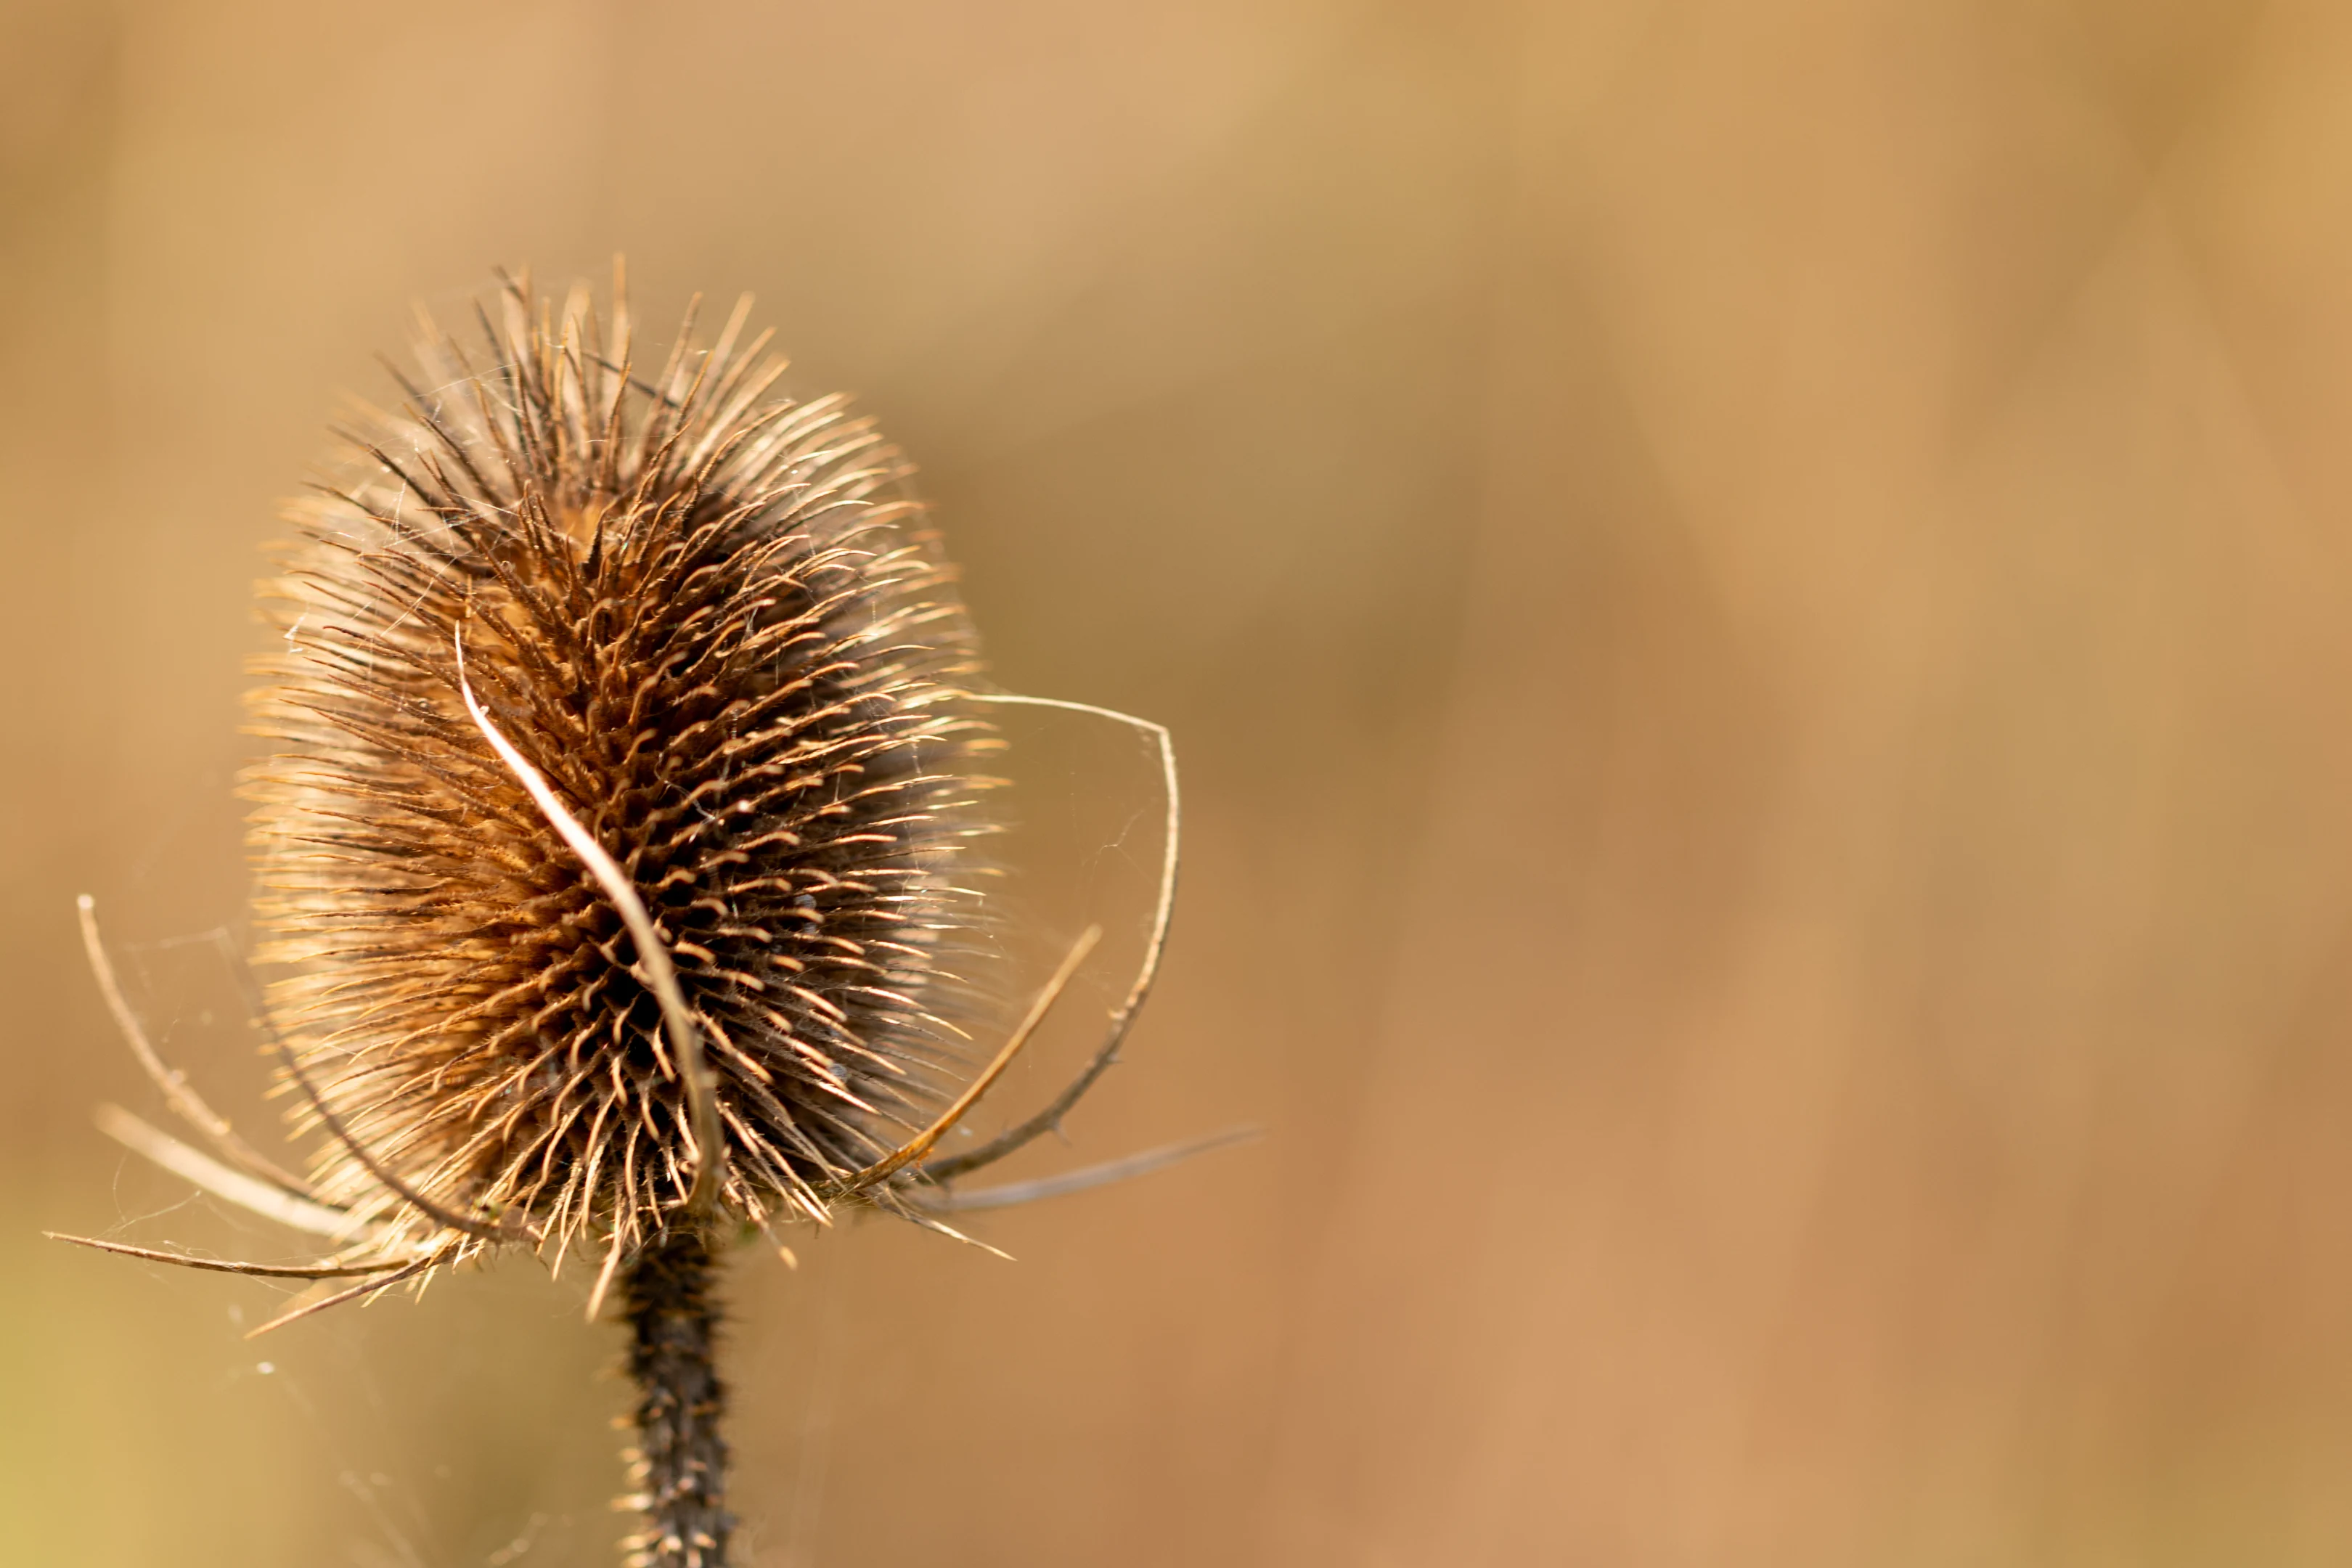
(1757, 600)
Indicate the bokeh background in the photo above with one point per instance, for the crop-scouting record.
(1758, 602)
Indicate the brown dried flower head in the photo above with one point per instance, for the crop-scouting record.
(559, 615)
(630, 745)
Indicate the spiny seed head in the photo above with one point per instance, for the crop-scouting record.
(710, 620)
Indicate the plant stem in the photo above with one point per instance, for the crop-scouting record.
(680, 1462)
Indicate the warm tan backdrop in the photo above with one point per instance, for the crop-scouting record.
(1756, 599)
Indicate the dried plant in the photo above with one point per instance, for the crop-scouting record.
(632, 743)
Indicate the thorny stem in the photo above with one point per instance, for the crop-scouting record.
(680, 1460)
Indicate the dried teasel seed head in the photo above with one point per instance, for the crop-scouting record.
(554, 607)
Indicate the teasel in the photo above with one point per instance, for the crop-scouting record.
(632, 761)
